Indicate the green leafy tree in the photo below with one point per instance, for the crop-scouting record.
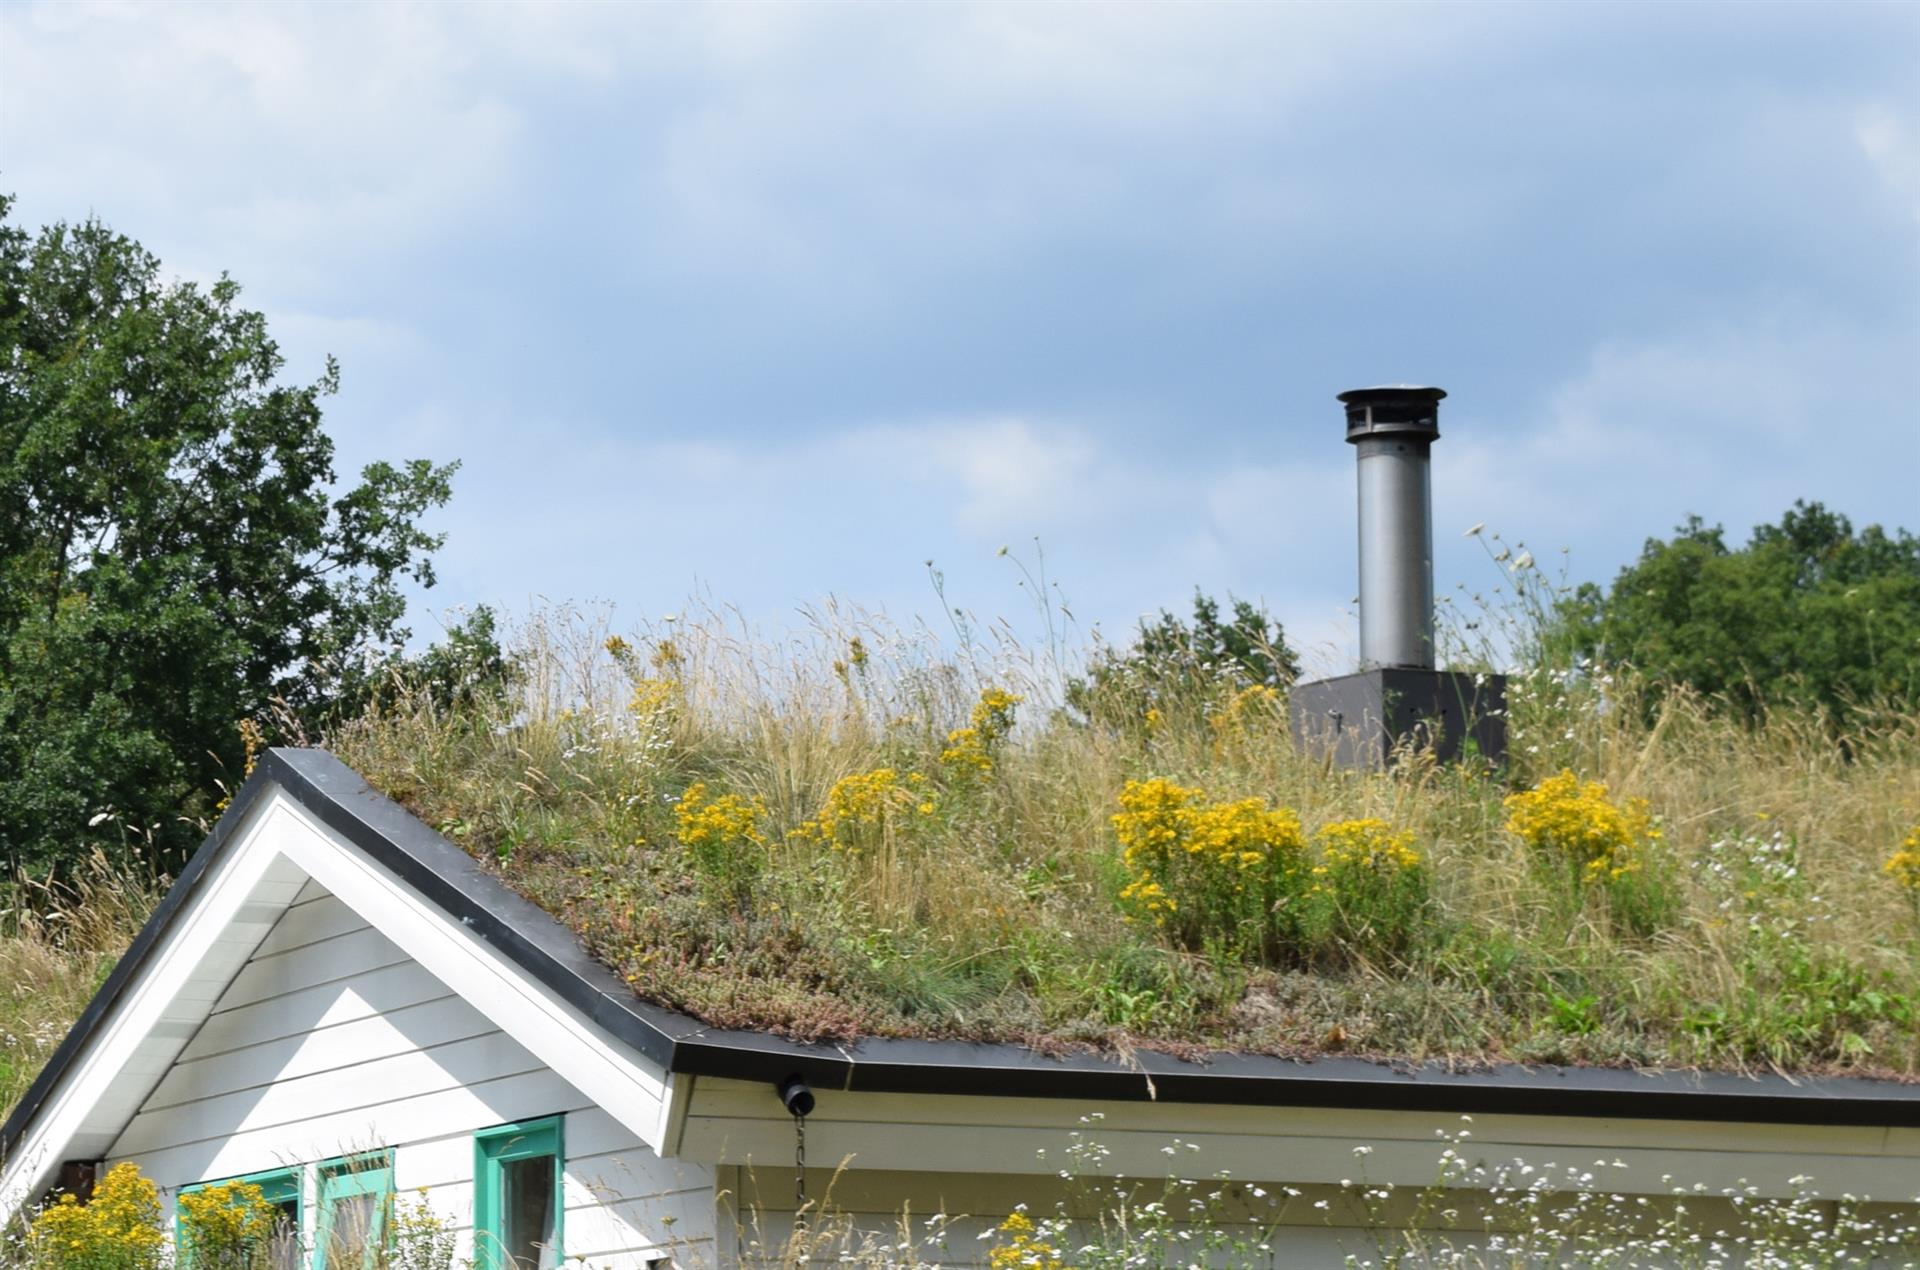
(466, 667)
(175, 552)
(1809, 612)
(1175, 664)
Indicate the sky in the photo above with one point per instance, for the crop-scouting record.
(776, 303)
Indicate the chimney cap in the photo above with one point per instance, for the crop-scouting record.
(1393, 410)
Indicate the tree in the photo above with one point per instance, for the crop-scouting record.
(175, 554)
(1173, 663)
(1808, 612)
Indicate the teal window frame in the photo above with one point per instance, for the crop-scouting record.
(370, 1173)
(492, 1150)
(277, 1186)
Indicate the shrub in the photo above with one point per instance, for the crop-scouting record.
(1375, 884)
(120, 1228)
(422, 1239)
(863, 810)
(1220, 874)
(1579, 834)
(227, 1227)
(970, 749)
(1174, 666)
(1903, 866)
(722, 837)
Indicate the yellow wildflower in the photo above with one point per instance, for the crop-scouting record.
(719, 822)
(1578, 822)
(1023, 1249)
(220, 1224)
(120, 1226)
(966, 751)
(653, 696)
(1245, 710)
(1367, 843)
(1202, 869)
(1903, 866)
(970, 749)
(857, 808)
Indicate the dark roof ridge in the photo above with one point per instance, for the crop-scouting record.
(542, 946)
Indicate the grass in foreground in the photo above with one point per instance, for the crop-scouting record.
(858, 834)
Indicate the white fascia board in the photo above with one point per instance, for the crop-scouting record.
(608, 1072)
(240, 897)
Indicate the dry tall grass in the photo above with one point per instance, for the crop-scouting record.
(57, 944)
(1785, 946)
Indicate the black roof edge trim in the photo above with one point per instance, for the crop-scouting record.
(539, 944)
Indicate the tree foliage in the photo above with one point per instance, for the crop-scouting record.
(175, 552)
(1808, 612)
(1174, 662)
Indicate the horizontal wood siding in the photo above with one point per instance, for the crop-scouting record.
(975, 1159)
(739, 1122)
(331, 1040)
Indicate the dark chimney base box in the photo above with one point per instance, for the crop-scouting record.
(1358, 720)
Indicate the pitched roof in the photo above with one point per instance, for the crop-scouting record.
(532, 940)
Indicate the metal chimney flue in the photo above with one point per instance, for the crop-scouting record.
(1392, 430)
(1398, 698)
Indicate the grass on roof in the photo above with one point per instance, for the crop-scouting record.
(856, 833)
(57, 946)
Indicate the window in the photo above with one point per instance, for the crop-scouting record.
(516, 1200)
(356, 1197)
(281, 1190)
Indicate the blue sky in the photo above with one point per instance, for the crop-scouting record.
(780, 302)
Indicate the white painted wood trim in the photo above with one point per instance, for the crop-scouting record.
(241, 896)
(273, 857)
(607, 1071)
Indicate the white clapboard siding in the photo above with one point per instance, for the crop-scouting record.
(737, 1122)
(330, 1040)
(370, 995)
(310, 921)
(341, 958)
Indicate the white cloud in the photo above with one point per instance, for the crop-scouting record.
(1887, 138)
(857, 510)
(276, 142)
(1732, 421)
(1247, 186)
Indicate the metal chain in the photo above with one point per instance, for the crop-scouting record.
(799, 1168)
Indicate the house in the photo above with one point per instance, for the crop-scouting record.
(339, 1004)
